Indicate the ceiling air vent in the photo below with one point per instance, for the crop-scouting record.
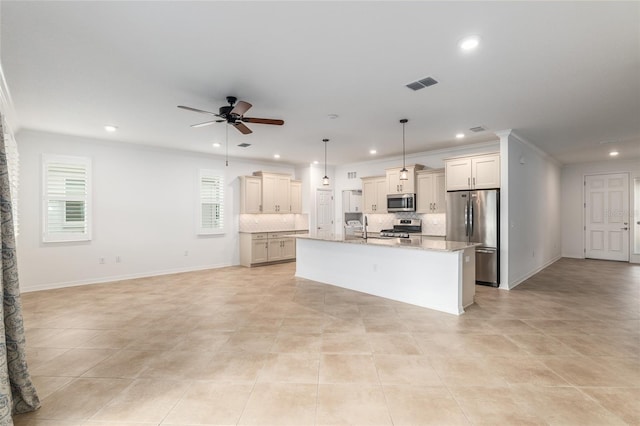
(421, 84)
(244, 145)
(478, 129)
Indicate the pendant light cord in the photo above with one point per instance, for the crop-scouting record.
(226, 159)
(325, 157)
(403, 156)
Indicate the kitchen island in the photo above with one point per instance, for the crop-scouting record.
(434, 274)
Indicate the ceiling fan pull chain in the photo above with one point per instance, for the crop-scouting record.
(226, 160)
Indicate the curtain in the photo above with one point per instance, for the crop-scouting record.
(17, 393)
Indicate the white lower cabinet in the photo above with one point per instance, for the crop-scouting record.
(281, 248)
(266, 247)
(259, 251)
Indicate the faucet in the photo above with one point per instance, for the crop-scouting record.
(364, 228)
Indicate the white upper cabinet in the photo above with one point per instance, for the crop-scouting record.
(251, 194)
(430, 191)
(276, 192)
(476, 172)
(351, 201)
(397, 186)
(296, 196)
(374, 194)
(270, 193)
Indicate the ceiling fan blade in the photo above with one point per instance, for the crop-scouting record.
(206, 123)
(197, 110)
(263, 121)
(240, 108)
(242, 128)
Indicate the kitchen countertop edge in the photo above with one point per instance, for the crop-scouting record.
(267, 232)
(426, 244)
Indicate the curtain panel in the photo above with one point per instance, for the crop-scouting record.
(17, 393)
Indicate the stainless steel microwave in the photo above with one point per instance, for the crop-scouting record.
(401, 202)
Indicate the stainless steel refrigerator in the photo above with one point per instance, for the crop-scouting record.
(474, 216)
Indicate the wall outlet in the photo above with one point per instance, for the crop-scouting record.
(118, 260)
(186, 252)
(101, 260)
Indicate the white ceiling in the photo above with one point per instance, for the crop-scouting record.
(565, 76)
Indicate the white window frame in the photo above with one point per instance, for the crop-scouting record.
(49, 236)
(205, 197)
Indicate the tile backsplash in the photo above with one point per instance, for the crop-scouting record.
(432, 224)
(273, 222)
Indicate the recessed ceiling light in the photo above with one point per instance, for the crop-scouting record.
(110, 128)
(316, 162)
(216, 145)
(332, 116)
(276, 156)
(459, 135)
(373, 152)
(614, 153)
(469, 43)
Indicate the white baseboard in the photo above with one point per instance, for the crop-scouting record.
(528, 275)
(102, 280)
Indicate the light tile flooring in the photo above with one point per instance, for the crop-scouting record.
(258, 346)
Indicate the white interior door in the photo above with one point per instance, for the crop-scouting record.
(324, 213)
(607, 216)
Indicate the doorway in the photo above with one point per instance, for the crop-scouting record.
(607, 216)
(324, 212)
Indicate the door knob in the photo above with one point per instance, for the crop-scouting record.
(624, 229)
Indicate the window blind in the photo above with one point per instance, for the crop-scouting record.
(211, 203)
(66, 215)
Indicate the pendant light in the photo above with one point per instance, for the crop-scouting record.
(325, 179)
(404, 173)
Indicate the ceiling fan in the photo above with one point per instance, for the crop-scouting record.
(234, 114)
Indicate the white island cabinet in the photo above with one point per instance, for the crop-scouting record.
(429, 273)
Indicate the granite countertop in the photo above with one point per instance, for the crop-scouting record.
(415, 243)
(279, 230)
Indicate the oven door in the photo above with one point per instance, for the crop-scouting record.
(401, 202)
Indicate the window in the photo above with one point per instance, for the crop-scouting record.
(66, 198)
(211, 202)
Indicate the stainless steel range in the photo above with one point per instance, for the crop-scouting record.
(403, 228)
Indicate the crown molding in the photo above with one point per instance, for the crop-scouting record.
(530, 145)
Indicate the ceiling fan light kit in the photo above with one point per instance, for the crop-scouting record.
(233, 114)
(404, 173)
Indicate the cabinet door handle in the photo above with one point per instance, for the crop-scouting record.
(474, 182)
(434, 207)
(468, 181)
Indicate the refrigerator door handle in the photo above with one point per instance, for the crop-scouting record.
(471, 218)
(466, 219)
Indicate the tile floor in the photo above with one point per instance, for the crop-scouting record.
(258, 346)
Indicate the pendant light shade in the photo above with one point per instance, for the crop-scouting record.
(404, 173)
(325, 179)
